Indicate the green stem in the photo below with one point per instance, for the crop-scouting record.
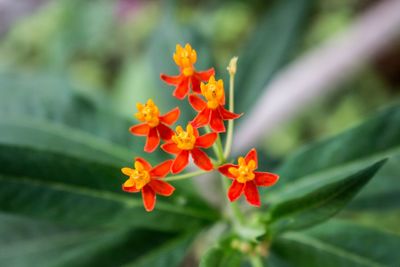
(237, 214)
(256, 261)
(229, 137)
(183, 176)
(220, 150)
(214, 147)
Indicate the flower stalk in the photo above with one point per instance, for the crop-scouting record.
(229, 137)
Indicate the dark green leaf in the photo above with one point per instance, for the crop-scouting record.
(221, 257)
(43, 244)
(62, 139)
(327, 160)
(170, 253)
(313, 208)
(74, 191)
(338, 243)
(382, 193)
(269, 48)
(52, 99)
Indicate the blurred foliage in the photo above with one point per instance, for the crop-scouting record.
(70, 75)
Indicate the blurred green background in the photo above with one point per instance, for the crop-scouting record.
(113, 52)
(74, 70)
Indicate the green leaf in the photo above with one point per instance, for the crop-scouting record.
(170, 253)
(338, 243)
(62, 139)
(74, 191)
(43, 244)
(43, 98)
(220, 257)
(381, 194)
(269, 48)
(327, 160)
(313, 208)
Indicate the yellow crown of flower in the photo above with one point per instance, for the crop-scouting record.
(185, 58)
(213, 91)
(245, 171)
(148, 113)
(184, 139)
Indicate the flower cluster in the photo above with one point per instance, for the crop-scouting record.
(207, 97)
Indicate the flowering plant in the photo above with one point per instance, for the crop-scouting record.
(184, 143)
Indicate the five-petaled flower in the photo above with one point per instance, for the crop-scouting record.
(246, 179)
(154, 126)
(147, 179)
(211, 112)
(188, 142)
(185, 58)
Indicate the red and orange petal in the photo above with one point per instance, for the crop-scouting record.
(183, 83)
(180, 162)
(155, 186)
(206, 141)
(161, 170)
(161, 131)
(170, 117)
(265, 178)
(149, 198)
(200, 158)
(213, 117)
(249, 188)
(252, 155)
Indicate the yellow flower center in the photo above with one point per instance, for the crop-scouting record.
(184, 140)
(148, 113)
(185, 57)
(245, 171)
(139, 176)
(213, 91)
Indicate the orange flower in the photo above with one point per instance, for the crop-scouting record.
(246, 179)
(211, 112)
(154, 126)
(148, 180)
(188, 142)
(185, 58)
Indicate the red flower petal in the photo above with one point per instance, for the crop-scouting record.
(180, 162)
(152, 140)
(197, 103)
(171, 80)
(182, 89)
(149, 198)
(140, 129)
(171, 148)
(171, 117)
(235, 190)
(251, 193)
(165, 132)
(195, 82)
(216, 122)
(132, 189)
(161, 187)
(252, 155)
(161, 169)
(224, 169)
(201, 159)
(203, 118)
(206, 140)
(195, 131)
(204, 75)
(145, 163)
(227, 115)
(265, 178)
